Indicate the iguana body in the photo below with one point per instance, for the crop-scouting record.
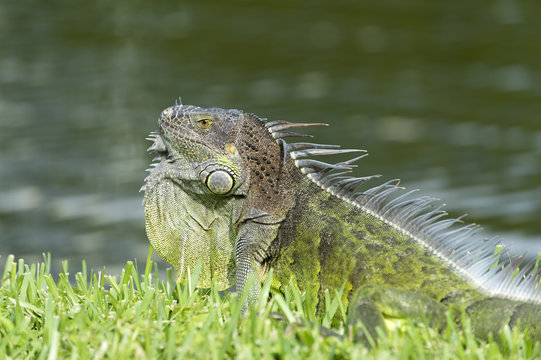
(228, 191)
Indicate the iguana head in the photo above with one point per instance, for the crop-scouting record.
(204, 141)
(204, 187)
(219, 171)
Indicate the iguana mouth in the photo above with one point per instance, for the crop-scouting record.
(163, 148)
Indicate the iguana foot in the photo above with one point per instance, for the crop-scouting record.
(373, 306)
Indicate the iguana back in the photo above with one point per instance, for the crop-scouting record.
(229, 191)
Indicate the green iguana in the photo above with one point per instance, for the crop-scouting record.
(227, 190)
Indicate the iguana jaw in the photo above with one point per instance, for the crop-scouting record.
(163, 148)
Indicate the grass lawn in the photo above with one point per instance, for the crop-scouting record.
(138, 316)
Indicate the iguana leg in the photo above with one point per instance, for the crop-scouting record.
(372, 305)
(246, 268)
(253, 241)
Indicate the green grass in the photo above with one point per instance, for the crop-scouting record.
(138, 316)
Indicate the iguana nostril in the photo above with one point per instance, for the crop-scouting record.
(167, 112)
(220, 182)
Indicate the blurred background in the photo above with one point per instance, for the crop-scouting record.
(444, 95)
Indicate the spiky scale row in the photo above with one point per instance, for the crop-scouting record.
(314, 152)
(418, 218)
(279, 126)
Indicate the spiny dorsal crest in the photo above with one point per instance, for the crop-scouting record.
(419, 218)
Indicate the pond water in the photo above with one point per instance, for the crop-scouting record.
(444, 95)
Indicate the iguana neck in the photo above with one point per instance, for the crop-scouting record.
(268, 175)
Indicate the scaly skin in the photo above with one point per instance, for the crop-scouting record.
(225, 192)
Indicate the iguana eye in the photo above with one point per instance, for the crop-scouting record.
(205, 123)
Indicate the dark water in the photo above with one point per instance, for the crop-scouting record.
(444, 95)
